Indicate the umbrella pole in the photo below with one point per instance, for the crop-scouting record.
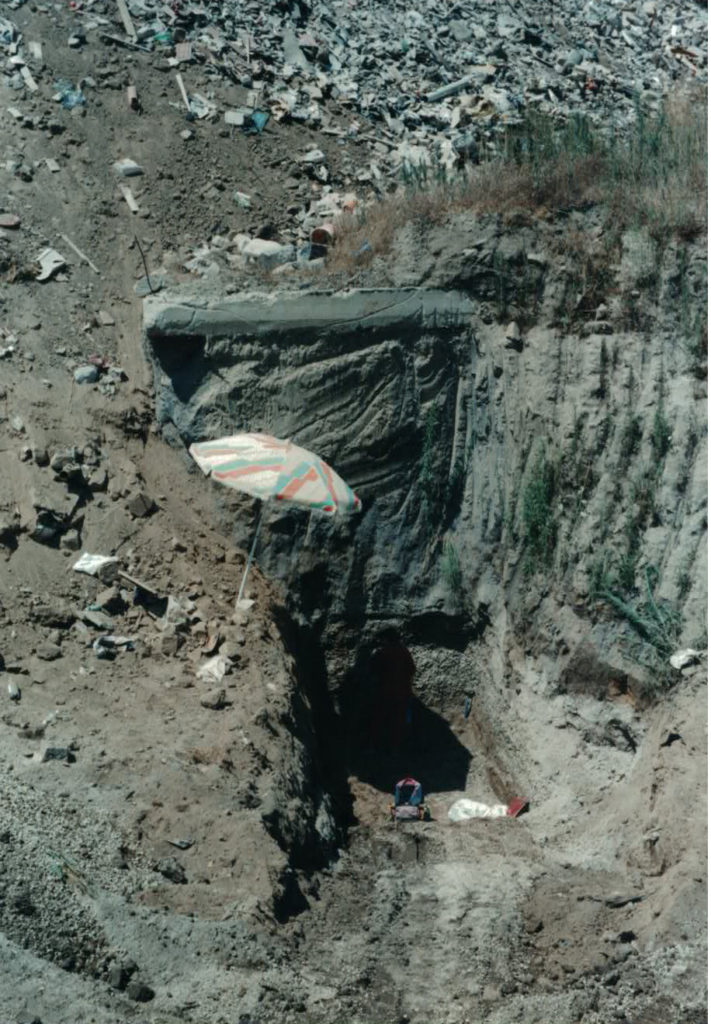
(251, 554)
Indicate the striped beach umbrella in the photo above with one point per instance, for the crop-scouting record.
(270, 468)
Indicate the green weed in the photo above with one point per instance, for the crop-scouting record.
(630, 441)
(451, 569)
(661, 435)
(539, 525)
(653, 175)
(656, 622)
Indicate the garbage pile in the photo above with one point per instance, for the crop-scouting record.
(429, 79)
(428, 87)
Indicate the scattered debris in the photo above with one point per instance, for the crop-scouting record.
(141, 505)
(214, 670)
(139, 991)
(105, 567)
(127, 168)
(181, 844)
(215, 700)
(685, 658)
(126, 19)
(183, 93)
(50, 262)
(106, 646)
(80, 254)
(64, 754)
(128, 196)
(86, 374)
(67, 95)
(171, 869)
(463, 809)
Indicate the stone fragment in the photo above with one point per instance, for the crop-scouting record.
(55, 612)
(110, 601)
(22, 903)
(513, 337)
(127, 168)
(119, 977)
(86, 374)
(141, 505)
(48, 651)
(268, 253)
(214, 699)
(65, 464)
(314, 156)
(58, 754)
(70, 540)
(169, 644)
(171, 869)
(460, 30)
(98, 619)
(97, 480)
(54, 506)
(139, 991)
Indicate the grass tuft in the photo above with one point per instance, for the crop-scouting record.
(654, 175)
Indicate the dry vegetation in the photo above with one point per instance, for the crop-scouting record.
(655, 176)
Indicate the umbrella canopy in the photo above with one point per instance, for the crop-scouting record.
(268, 467)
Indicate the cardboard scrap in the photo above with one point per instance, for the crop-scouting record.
(50, 262)
(183, 93)
(28, 79)
(128, 196)
(126, 19)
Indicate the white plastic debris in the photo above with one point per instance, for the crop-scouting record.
(127, 168)
(103, 566)
(107, 645)
(202, 107)
(267, 253)
(214, 670)
(235, 118)
(314, 156)
(462, 810)
(50, 262)
(683, 658)
(177, 613)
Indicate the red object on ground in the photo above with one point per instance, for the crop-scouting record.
(517, 806)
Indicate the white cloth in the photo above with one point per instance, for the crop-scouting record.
(463, 809)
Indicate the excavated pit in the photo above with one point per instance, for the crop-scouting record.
(429, 412)
(379, 382)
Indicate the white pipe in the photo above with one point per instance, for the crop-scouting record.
(251, 554)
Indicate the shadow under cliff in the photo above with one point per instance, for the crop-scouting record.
(429, 751)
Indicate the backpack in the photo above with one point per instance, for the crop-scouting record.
(408, 804)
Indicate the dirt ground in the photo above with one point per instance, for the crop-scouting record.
(146, 873)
